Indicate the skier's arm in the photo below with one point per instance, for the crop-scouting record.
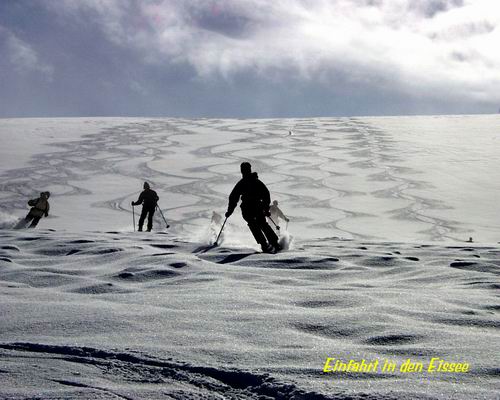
(139, 200)
(47, 210)
(280, 214)
(234, 197)
(265, 197)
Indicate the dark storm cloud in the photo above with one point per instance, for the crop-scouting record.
(247, 57)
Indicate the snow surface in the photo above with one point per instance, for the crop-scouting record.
(376, 266)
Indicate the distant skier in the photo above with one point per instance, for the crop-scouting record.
(39, 208)
(255, 200)
(276, 214)
(215, 224)
(148, 198)
(216, 219)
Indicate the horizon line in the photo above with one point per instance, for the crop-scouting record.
(253, 118)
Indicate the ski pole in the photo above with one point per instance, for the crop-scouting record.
(133, 215)
(277, 227)
(217, 241)
(286, 228)
(161, 212)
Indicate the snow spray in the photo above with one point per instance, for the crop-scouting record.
(8, 221)
(286, 240)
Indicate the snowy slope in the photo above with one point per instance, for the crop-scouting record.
(405, 178)
(377, 269)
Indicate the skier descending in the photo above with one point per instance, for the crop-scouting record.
(40, 207)
(255, 200)
(276, 214)
(148, 198)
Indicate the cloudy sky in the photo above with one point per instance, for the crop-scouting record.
(248, 58)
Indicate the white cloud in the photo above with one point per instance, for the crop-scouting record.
(430, 48)
(110, 14)
(24, 57)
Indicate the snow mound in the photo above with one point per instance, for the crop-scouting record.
(136, 315)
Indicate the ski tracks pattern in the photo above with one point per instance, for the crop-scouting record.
(333, 176)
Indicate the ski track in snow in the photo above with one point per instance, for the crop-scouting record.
(118, 375)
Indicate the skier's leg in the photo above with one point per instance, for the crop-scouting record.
(24, 223)
(257, 233)
(28, 217)
(34, 222)
(142, 217)
(151, 213)
(268, 231)
(254, 228)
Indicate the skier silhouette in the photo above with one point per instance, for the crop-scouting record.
(275, 213)
(148, 198)
(255, 200)
(39, 208)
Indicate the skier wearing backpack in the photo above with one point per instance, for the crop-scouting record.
(39, 208)
(255, 200)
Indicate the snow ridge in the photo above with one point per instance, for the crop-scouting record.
(224, 382)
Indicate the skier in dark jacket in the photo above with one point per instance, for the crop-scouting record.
(39, 208)
(148, 198)
(255, 200)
